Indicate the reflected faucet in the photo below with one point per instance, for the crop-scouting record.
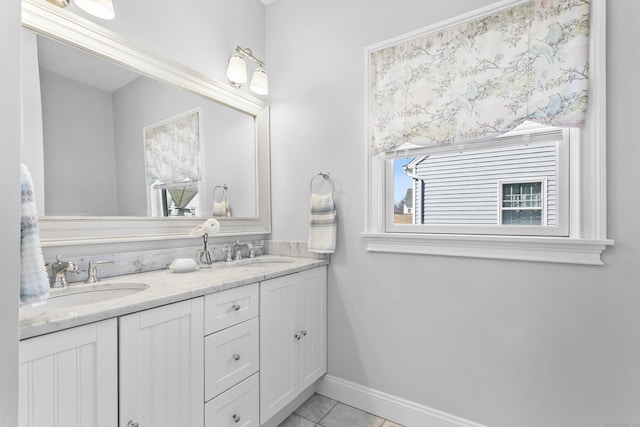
(59, 270)
(237, 246)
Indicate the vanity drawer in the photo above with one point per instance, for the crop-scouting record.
(238, 406)
(227, 308)
(230, 356)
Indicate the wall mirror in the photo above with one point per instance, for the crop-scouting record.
(102, 178)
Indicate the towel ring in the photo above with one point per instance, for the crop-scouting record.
(327, 177)
(223, 188)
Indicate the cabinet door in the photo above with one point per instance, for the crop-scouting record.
(312, 322)
(278, 345)
(69, 378)
(162, 366)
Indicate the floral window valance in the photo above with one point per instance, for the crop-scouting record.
(483, 77)
(172, 150)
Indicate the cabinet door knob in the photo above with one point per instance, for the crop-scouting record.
(236, 307)
(236, 356)
(236, 418)
(133, 423)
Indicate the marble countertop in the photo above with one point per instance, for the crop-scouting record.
(165, 287)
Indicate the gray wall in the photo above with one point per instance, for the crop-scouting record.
(200, 34)
(77, 122)
(10, 35)
(503, 343)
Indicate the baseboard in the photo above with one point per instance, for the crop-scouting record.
(401, 411)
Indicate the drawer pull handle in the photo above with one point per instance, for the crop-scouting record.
(236, 356)
(236, 307)
(236, 418)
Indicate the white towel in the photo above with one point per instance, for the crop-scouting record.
(322, 225)
(34, 284)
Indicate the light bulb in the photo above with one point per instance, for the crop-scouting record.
(259, 82)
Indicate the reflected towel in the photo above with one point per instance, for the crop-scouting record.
(322, 225)
(34, 284)
(221, 209)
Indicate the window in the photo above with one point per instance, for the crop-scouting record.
(477, 190)
(523, 203)
(574, 230)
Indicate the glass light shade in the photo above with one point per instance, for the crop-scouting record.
(237, 69)
(259, 82)
(100, 8)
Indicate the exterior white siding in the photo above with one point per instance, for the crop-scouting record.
(462, 188)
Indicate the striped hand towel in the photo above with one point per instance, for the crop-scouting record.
(34, 284)
(322, 224)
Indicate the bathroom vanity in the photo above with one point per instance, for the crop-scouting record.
(229, 345)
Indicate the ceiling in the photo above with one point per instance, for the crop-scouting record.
(84, 67)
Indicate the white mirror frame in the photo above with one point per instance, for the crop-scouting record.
(60, 24)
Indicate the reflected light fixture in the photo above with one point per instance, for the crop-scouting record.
(99, 8)
(237, 71)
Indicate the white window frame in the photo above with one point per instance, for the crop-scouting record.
(587, 237)
(543, 195)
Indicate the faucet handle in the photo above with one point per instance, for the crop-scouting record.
(252, 249)
(227, 253)
(92, 271)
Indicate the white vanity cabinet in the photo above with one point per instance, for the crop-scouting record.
(162, 366)
(292, 337)
(230, 358)
(70, 378)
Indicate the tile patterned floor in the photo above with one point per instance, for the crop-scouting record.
(320, 411)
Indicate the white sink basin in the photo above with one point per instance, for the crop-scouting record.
(76, 295)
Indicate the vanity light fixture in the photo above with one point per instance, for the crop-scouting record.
(237, 71)
(100, 8)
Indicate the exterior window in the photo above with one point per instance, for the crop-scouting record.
(523, 203)
(501, 187)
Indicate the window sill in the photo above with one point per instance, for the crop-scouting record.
(524, 248)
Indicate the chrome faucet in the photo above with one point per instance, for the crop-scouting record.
(237, 246)
(59, 270)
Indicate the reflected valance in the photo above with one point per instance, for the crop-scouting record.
(482, 77)
(172, 150)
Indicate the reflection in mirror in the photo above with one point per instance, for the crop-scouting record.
(96, 192)
(94, 118)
